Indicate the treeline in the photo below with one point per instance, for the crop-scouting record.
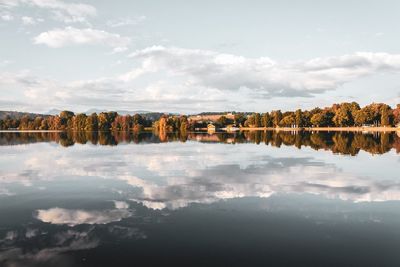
(173, 123)
(67, 120)
(348, 143)
(338, 115)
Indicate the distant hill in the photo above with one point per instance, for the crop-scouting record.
(18, 115)
(97, 110)
(208, 113)
(146, 114)
(53, 112)
(121, 112)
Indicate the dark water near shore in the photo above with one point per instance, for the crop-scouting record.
(194, 199)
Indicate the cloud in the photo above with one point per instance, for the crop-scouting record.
(54, 251)
(174, 176)
(72, 36)
(119, 50)
(4, 63)
(7, 17)
(263, 75)
(64, 11)
(121, 205)
(125, 21)
(75, 217)
(24, 89)
(182, 80)
(30, 21)
(274, 176)
(49, 252)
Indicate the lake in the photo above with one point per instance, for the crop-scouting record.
(198, 199)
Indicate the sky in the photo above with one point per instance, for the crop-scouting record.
(192, 56)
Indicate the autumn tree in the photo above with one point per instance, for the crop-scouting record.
(239, 119)
(322, 119)
(222, 121)
(104, 121)
(277, 117)
(37, 122)
(266, 120)
(257, 119)
(24, 123)
(288, 120)
(66, 120)
(396, 115)
(44, 125)
(298, 118)
(344, 115)
(91, 123)
(79, 122)
(385, 121)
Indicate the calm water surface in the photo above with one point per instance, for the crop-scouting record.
(249, 199)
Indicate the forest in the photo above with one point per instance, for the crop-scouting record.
(338, 115)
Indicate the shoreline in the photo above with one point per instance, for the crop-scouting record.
(286, 129)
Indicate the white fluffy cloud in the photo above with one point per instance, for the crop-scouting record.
(182, 80)
(125, 21)
(166, 177)
(7, 17)
(65, 11)
(121, 205)
(75, 217)
(73, 36)
(30, 21)
(263, 75)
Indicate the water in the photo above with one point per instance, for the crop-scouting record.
(244, 199)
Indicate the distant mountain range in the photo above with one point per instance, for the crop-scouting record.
(95, 110)
(147, 114)
(17, 115)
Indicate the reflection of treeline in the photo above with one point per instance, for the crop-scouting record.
(349, 143)
(338, 142)
(69, 138)
(67, 120)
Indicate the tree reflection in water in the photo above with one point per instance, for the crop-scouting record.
(348, 143)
